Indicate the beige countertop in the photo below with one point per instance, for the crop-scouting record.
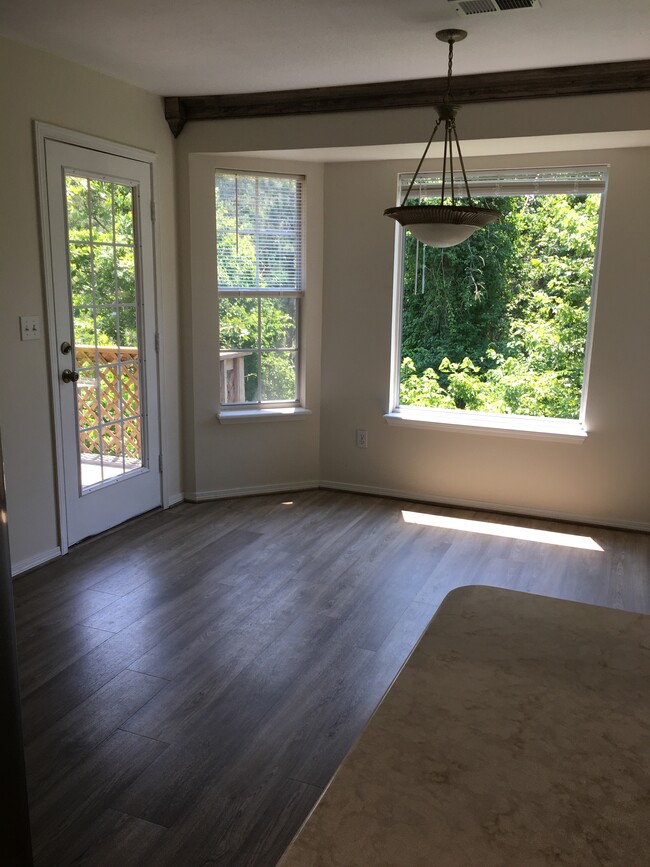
(518, 733)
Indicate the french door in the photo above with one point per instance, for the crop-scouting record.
(102, 268)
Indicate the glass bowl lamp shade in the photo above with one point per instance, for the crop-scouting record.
(444, 225)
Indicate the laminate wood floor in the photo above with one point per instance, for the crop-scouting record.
(192, 680)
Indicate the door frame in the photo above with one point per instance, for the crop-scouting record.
(44, 132)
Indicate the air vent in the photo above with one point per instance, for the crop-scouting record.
(477, 7)
(504, 5)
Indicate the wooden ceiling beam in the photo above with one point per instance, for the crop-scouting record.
(557, 81)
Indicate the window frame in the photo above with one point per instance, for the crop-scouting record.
(468, 421)
(276, 409)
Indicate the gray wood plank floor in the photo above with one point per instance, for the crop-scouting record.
(192, 680)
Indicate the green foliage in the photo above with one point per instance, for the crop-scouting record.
(423, 389)
(501, 326)
(102, 261)
(264, 327)
(278, 376)
(455, 300)
(262, 324)
(258, 232)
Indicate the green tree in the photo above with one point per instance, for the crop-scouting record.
(102, 261)
(270, 322)
(518, 345)
(456, 299)
(264, 326)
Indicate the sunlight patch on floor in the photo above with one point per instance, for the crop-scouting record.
(507, 531)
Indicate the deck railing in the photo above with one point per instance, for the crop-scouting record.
(108, 400)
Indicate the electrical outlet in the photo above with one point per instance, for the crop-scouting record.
(30, 327)
(362, 439)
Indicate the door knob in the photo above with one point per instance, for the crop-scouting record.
(69, 376)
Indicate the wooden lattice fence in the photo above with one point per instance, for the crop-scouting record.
(108, 400)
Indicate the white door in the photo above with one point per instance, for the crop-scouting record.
(101, 240)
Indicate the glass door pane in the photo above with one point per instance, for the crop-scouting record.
(103, 285)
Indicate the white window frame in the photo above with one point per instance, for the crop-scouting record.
(467, 421)
(270, 410)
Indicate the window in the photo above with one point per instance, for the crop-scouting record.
(260, 287)
(497, 328)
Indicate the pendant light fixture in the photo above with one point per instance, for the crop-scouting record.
(444, 225)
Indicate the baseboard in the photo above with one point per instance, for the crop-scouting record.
(223, 494)
(30, 563)
(481, 505)
(35, 561)
(175, 499)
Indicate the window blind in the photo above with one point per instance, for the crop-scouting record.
(581, 181)
(259, 229)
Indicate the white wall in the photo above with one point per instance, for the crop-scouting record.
(38, 86)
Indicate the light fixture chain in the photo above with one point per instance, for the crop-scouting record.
(462, 165)
(443, 225)
(444, 164)
(449, 125)
(449, 68)
(417, 171)
(448, 128)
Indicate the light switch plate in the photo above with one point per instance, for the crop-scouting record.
(30, 327)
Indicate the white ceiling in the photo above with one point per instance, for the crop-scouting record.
(192, 47)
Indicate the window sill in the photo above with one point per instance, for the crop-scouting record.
(245, 416)
(554, 429)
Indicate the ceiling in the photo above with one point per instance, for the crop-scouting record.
(195, 47)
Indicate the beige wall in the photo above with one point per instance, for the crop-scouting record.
(605, 479)
(245, 457)
(38, 86)
(579, 115)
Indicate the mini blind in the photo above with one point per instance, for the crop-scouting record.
(581, 181)
(259, 233)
